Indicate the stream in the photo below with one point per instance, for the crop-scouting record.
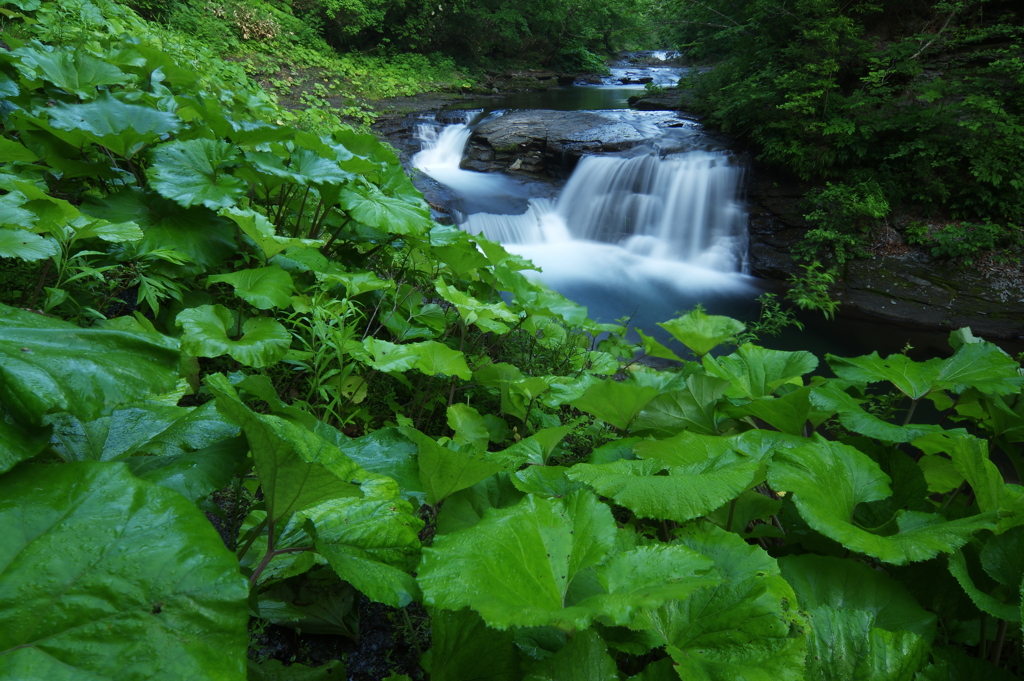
(644, 233)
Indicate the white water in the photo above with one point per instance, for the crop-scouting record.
(625, 229)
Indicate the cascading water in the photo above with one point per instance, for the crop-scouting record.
(632, 229)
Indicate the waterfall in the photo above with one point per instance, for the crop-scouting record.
(682, 208)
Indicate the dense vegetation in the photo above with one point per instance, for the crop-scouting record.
(211, 313)
(913, 110)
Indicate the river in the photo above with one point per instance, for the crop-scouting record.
(644, 233)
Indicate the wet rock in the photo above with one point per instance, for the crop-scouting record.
(911, 288)
(543, 141)
(671, 99)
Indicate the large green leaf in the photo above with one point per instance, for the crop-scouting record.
(262, 232)
(742, 628)
(466, 648)
(195, 475)
(443, 470)
(303, 166)
(49, 366)
(104, 576)
(615, 403)
(756, 372)
(194, 172)
(197, 232)
(848, 585)
(122, 128)
(828, 480)
(73, 70)
(207, 331)
(262, 287)
(530, 565)
(386, 451)
(1005, 606)
(701, 332)
(583, 658)
(694, 408)
(430, 357)
(687, 492)
(843, 646)
(830, 398)
(297, 469)
(24, 245)
(396, 216)
(982, 366)
(371, 542)
(151, 429)
(19, 441)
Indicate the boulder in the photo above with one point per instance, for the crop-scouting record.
(544, 141)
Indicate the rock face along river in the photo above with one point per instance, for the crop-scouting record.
(638, 214)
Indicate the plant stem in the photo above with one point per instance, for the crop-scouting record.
(910, 412)
(255, 532)
(412, 631)
(997, 652)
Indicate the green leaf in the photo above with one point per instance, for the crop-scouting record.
(756, 372)
(122, 128)
(19, 441)
(371, 542)
(829, 479)
(1000, 608)
(845, 647)
(10, 150)
(701, 332)
(687, 492)
(198, 233)
(740, 629)
(73, 70)
(207, 331)
(615, 403)
(17, 243)
(143, 588)
(303, 166)
(516, 566)
(386, 451)
(788, 413)
(49, 366)
(430, 357)
(275, 670)
(848, 585)
(830, 398)
(194, 172)
(584, 658)
(466, 648)
(194, 475)
(262, 232)
(262, 287)
(444, 471)
(395, 216)
(694, 408)
(913, 379)
(296, 468)
(151, 429)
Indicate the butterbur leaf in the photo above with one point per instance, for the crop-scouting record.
(179, 609)
(742, 628)
(275, 670)
(756, 372)
(204, 237)
(19, 441)
(194, 172)
(584, 658)
(444, 471)
(395, 216)
(49, 366)
(687, 492)
(371, 541)
(848, 585)
(261, 231)
(516, 566)
(701, 332)
(297, 469)
(1000, 608)
(73, 70)
(828, 480)
(122, 128)
(615, 403)
(430, 357)
(10, 150)
(830, 398)
(466, 648)
(262, 287)
(303, 166)
(194, 475)
(843, 646)
(18, 243)
(913, 379)
(207, 331)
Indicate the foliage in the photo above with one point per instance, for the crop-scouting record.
(380, 407)
(921, 98)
